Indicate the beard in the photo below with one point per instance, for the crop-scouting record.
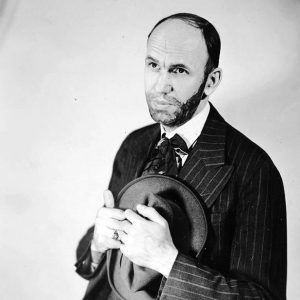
(180, 113)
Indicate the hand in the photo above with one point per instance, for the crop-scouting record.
(108, 220)
(148, 243)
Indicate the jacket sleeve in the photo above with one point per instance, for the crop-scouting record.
(258, 250)
(83, 251)
(84, 264)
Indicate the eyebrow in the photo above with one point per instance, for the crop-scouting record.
(172, 66)
(151, 58)
(179, 66)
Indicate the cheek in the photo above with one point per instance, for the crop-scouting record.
(186, 88)
(149, 80)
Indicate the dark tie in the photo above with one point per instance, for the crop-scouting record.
(165, 158)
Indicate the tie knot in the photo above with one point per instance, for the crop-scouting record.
(176, 142)
(165, 157)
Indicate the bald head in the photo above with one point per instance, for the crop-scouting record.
(174, 42)
(178, 31)
(182, 41)
(209, 33)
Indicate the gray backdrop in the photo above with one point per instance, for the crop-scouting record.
(71, 89)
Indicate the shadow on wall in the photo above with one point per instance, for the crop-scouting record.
(7, 12)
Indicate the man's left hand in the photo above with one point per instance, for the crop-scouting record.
(148, 242)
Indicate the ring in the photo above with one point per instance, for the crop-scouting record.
(115, 235)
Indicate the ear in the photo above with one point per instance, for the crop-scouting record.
(212, 82)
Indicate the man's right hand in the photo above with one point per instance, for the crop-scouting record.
(108, 220)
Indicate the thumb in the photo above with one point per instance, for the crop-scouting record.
(108, 198)
(151, 214)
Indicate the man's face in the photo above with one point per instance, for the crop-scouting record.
(174, 71)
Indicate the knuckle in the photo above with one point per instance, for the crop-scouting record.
(101, 211)
(164, 223)
(115, 213)
(127, 212)
(150, 209)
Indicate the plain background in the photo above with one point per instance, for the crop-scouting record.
(71, 89)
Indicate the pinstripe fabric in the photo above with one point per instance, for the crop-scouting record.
(245, 254)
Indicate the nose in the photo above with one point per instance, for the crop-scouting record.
(163, 83)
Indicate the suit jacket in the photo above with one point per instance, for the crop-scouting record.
(242, 191)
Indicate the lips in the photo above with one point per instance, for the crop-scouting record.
(160, 105)
(162, 101)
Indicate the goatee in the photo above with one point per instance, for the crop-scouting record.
(185, 110)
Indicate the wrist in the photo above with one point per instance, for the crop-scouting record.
(96, 247)
(167, 261)
(96, 254)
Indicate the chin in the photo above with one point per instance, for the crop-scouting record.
(163, 118)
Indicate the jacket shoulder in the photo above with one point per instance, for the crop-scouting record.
(139, 136)
(245, 155)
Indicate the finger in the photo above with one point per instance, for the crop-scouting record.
(115, 244)
(103, 233)
(110, 223)
(114, 224)
(109, 200)
(132, 216)
(113, 213)
(115, 235)
(151, 214)
(126, 226)
(124, 250)
(104, 240)
(123, 237)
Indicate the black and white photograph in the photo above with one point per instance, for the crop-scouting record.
(149, 149)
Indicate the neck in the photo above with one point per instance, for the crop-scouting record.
(199, 109)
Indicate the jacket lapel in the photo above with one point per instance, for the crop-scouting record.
(205, 169)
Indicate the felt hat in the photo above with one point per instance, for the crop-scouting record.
(185, 215)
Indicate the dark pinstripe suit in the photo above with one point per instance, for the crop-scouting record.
(245, 254)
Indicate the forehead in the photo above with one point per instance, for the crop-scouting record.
(179, 41)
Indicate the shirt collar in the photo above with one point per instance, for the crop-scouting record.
(191, 130)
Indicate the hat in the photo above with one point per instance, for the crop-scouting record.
(185, 215)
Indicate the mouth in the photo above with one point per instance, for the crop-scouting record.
(161, 105)
(161, 102)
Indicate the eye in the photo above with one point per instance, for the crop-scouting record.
(179, 70)
(153, 65)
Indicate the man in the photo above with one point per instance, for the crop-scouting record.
(245, 253)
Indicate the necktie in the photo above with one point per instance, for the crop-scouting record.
(165, 158)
